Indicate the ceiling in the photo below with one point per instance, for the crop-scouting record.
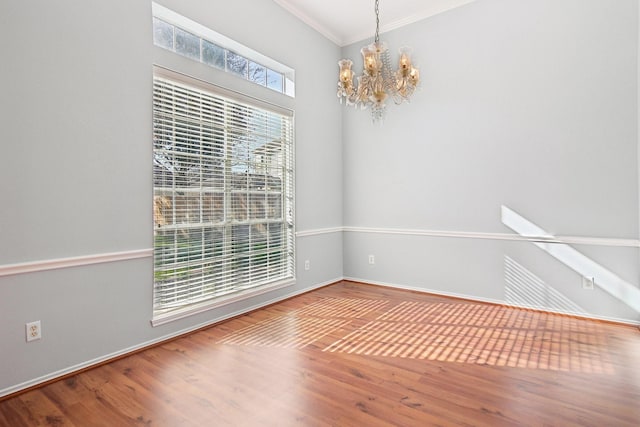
(349, 21)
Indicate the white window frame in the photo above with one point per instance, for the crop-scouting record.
(284, 270)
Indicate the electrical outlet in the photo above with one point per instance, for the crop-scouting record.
(34, 331)
(372, 259)
(307, 265)
(588, 282)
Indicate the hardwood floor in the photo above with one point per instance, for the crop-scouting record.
(360, 355)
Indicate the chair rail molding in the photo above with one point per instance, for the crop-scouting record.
(53, 264)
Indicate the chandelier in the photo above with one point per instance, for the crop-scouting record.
(378, 82)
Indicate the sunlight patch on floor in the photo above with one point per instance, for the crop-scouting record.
(439, 331)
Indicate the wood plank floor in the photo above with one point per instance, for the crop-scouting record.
(360, 355)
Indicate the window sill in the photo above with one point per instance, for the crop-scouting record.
(191, 310)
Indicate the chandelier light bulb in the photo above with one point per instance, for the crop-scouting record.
(405, 61)
(346, 75)
(414, 75)
(371, 63)
(345, 87)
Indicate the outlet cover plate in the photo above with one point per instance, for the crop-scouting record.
(33, 331)
(588, 282)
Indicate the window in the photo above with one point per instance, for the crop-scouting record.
(185, 37)
(223, 195)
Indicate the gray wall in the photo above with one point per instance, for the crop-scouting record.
(75, 171)
(531, 105)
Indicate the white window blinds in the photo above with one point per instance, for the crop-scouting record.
(223, 195)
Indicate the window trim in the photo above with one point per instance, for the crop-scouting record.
(216, 302)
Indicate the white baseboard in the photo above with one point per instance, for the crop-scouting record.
(129, 350)
(488, 300)
(99, 360)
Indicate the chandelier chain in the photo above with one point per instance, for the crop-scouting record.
(377, 39)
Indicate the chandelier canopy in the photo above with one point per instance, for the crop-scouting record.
(378, 82)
